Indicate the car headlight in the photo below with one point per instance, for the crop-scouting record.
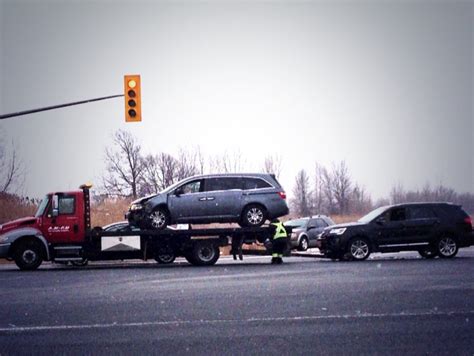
(293, 234)
(135, 207)
(338, 231)
(3, 239)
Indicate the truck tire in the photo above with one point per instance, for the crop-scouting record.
(204, 253)
(28, 255)
(165, 255)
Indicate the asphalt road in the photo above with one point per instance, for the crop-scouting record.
(391, 304)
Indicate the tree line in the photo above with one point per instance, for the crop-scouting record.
(327, 190)
(131, 172)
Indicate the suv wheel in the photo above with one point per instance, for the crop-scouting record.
(428, 252)
(303, 245)
(358, 249)
(28, 255)
(447, 247)
(159, 219)
(253, 216)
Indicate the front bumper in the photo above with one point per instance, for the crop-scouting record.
(136, 217)
(4, 250)
(328, 244)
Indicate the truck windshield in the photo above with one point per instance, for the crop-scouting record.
(42, 206)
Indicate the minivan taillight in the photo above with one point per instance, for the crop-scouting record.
(282, 195)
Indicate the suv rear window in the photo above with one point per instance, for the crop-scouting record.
(255, 183)
(420, 212)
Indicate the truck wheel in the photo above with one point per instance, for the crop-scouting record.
(204, 254)
(447, 247)
(165, 255)
(253, 215)
(82, 263)
(28, 255)
(358, 249)
(303, 245)
(159, 219)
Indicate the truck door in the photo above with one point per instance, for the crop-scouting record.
(63, 221)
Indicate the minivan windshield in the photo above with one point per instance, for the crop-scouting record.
(42, 206)
(297, 223)
(373, 214)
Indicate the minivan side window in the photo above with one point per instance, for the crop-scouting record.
(255, 183)
(224, 183)
(192, 187)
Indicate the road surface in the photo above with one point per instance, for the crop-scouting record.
(390, 304)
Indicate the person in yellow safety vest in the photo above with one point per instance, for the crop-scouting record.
(280, 241)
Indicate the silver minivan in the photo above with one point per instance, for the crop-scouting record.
(247, 199)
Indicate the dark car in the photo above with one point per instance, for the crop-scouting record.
(305, 231)
(432, 229)
(248, 199)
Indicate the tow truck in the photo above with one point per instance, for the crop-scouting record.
(61, 232)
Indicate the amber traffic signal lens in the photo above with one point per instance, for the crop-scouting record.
(132, 96)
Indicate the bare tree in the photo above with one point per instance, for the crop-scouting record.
(328, 191)
(273, 165)
(360, 201)
(227, 163)
(341, 187)
(124, 164)
(318, 198)
(301, 192)
(11, 168)
(187, 164)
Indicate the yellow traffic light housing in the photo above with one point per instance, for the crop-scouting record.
(133, 104)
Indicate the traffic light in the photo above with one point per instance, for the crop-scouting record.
(133, 104)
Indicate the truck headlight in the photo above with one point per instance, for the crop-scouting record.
(135, 207)
(338, 231)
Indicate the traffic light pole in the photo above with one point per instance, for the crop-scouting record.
(26, 112)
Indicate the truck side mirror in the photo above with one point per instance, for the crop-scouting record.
(55, 203)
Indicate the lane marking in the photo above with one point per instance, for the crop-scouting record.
(19, 329)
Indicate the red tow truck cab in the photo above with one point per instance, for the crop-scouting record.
(61, 231)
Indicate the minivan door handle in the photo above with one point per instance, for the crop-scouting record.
(211, 198)
(203, 199)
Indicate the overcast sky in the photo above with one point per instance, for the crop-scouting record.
(386, 86)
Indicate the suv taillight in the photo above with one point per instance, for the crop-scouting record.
(282, 195)
(468, 221)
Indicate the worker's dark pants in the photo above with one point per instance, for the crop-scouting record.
(279, 246)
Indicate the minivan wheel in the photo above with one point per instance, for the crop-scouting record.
(159, 219)
(253, 215)
(428, 252)
(303, 246)
(447, 247)
(358, 249)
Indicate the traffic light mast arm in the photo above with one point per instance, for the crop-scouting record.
(26, 112)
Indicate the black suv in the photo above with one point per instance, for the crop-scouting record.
(432, 229)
